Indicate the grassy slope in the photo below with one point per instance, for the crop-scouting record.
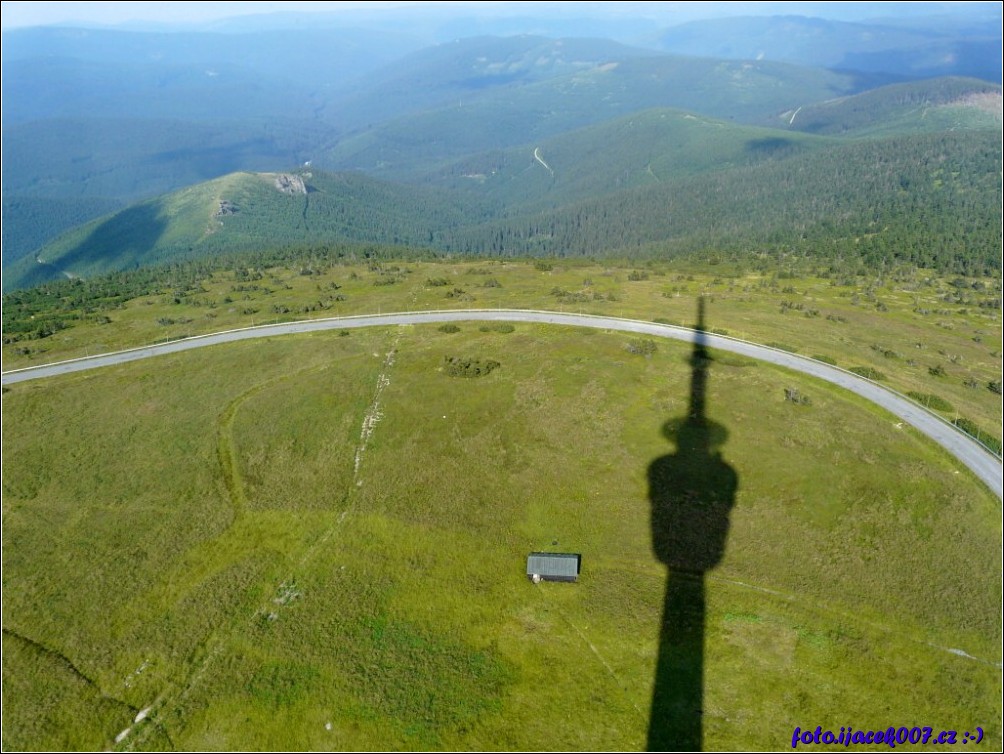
(902, 324)
(188, 223)
(231, 569)
(62, 173)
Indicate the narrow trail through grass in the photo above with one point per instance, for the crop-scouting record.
(286, 591)
(619, 682)
(225, 443)
(321, 613)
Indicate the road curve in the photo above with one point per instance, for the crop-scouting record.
(982, 463)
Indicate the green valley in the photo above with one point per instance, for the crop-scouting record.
(660, 184)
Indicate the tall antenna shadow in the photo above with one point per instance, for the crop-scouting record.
(692, 492)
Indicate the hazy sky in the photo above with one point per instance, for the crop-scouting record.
(18, 13)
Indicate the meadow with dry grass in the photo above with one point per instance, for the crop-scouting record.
(933, 337)
(319, 541)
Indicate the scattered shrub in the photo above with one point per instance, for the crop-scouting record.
(980, 435)
(641, 347)
(502, 327)
(782, 347)
(825, 359)
(931, 401)
(868, 373)
(449, 328)
(572, 297)
(887, 352)
(937, 371)
(794, 395)
(464, 367)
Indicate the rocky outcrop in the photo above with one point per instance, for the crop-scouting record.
(227, 208)
(290, 184)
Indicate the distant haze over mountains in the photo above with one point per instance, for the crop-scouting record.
(445, 98)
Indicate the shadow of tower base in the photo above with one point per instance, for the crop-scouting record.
(692, 492)
(676, 721)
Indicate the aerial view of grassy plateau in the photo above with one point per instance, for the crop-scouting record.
(319, 541)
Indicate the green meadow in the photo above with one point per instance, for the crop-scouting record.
(933, 336)
(319, 542)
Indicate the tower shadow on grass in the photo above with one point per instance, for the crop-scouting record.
(692, 492)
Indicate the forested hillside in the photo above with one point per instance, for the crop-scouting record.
(30, 221)
(519, 144)
(748, 92)
(645, 148)
(932, 200)
(941, 104)
(245, 212)
(928, 199)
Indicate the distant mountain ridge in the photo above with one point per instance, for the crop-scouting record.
(502, 117)
(100, 119)
(909, 51)
(931, 105)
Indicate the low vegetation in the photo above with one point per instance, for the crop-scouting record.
(251, 572)
(931, 401)
(641, 347)
(924, 313)
(316, 542)
(457, 366)
(869, 373)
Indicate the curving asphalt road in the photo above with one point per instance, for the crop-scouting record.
(982, 463)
